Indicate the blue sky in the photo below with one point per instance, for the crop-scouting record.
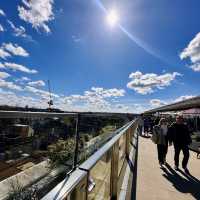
(149, 57)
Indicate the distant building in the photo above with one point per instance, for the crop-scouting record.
(22, 130)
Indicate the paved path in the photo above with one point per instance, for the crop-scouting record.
(154, 183)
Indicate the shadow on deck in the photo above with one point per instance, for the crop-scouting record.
(150, 182)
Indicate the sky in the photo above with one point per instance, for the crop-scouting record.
(99, 55)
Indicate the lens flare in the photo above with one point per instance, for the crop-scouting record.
(112, 18)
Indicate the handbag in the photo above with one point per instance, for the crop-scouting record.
(154, 137)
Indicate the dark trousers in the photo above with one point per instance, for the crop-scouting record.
(146, 128)
(140, 129)
(186, 155)
(162, 152)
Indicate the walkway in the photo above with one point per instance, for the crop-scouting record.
(154, 183)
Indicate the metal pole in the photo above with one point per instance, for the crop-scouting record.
(50, 102)
(76, 143)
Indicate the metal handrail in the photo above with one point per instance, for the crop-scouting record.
(32, 114)
(26, 114)
(90, 162)
(65, 188)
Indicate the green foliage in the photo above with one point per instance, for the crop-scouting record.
(17, 192)
(60, 152)
(86, 137)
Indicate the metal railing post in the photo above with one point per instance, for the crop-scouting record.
(75, 159)
(80, 192)
(114, 171)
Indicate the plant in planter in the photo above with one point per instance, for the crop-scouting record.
(17, 192)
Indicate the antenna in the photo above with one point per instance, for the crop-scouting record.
(50, 102)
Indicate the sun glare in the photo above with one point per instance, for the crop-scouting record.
(112, 18)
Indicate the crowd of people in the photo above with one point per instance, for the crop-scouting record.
(165, 132)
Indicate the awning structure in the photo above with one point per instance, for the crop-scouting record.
(182, 105)
(192, 111)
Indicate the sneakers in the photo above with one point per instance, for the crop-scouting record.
(186, 170)
(176, 168)
(161, 165)
(165, 162)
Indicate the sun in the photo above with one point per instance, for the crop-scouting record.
(112, 18)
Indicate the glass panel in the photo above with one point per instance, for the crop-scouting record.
(122, 146)
(99, 179)
(34, 152)
(94, 132)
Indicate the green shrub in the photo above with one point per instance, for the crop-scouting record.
(61, 152)
(17, 192)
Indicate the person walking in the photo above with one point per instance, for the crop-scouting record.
(160, 132)
(140, 125)
(146, 126)
(179, 135)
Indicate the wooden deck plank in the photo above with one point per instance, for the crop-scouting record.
(154, 183)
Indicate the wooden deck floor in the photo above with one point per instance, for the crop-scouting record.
(154, 183)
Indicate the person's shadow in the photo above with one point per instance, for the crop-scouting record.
(186, 184)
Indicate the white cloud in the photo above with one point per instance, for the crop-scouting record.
(19, 31)
(11, 99)
(2, 66)
(15, 49)
(9, 85)
(94, 100)
(97, 97)
(157, 102)
(37, 12)
(95, 91)
(4, 75)
(184, 97)
(2, 13)
(76, 39)
(18, 67)
(1, 28)
(4, 54)
(145, 83)
(8, 48)
(23, 79)
(195, 67)
(39, 83)
(192, 51)
(43, 93)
